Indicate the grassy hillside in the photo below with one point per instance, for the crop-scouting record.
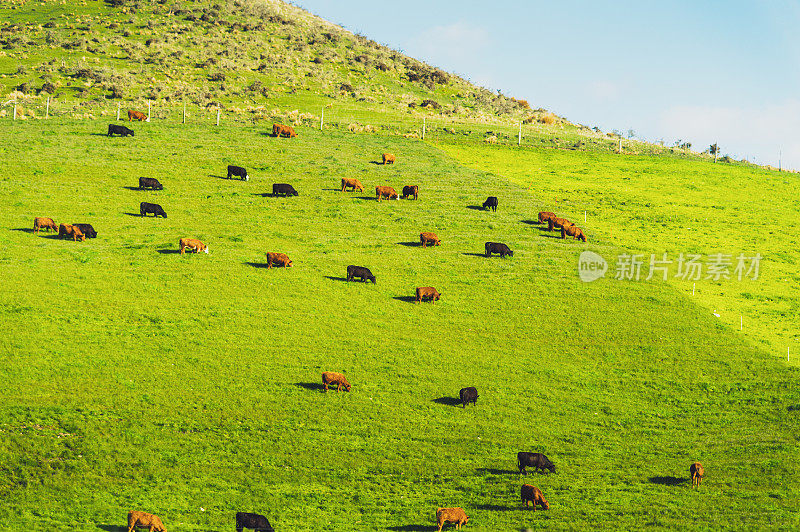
(188, 386)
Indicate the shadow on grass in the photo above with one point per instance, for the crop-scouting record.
(263, 194)
(258, 264)
(52, 236)
(368, 198)
(414, 528)
(316, 386)
(113, 528)
(495, 507)
(668, 481)
(138, 215)
(235, 178)
(336, 278)
(333, 189)
(476, 255)
(133, 188)
(476, 207)
(169, 251)
(552, 235)
(531, 222)
(98, 134)
(411, 244)
(790, 408)
(493, 471)
(448, 401)
(407, 299)
(23, 229)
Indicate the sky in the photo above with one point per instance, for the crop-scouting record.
(701, 71)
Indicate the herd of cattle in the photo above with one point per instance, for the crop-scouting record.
(529, 494)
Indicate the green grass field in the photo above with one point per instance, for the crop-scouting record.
(189, 386)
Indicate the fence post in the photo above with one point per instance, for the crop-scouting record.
(217, 115)
(519, 139)
(118, 106)
(322, 119)
(148, 110)
(47, 109)
(620, 144)
(184, 111)
(424, 120)
(15, 109)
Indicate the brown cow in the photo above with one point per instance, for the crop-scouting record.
(145, 520)
(697, 472)
(71, 230)
(193, 244)
(279, 130)
(455, 515)
(558, 223)
(351, 182)
(136, 115)
(278, 258)
(544, 216)
(427, 292)
(532, 494)
(411, 190)
(331, 377)
(388, 158)
(44, 223)
(389, 192)
(428, 238)
(574, 231)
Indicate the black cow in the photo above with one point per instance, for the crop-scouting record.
(359, 271)
(468, 395)
(123, 131)
(150, 182)
(497, 247)
(238, 171)
(257, 522)
(535, 460)
(152, 208)
(87, 230)
(491, 203)
(282, 189)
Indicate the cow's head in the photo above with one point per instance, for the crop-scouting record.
(246, 177)
(205, 248)
(347, 386)
(545, 505)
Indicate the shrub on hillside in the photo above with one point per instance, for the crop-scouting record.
(48, 87)
(431, 104)
(217, 76)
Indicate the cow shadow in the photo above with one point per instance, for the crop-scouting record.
(234, 178)
(495, 507)
(668, 480)
(23, 229)
(113, 528)
(790, 408)
(314, 386)
(476, 207)
(169, 251)
(333, 189)
(336, 278)
(51, 236)
(411, 244)
(414, 528)
(476, 255)
(98, 134)
(137, 214)
(368, 198)
(552, 235)
(377, 162)
(133, 188)
(448, 401)
(406, 299)
(531, 222)
(493, 471)
(263, 194)
(258, 264)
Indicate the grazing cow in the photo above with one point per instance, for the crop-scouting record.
(359, 271)
(151, 208)
(279, 259)
(411, 190)
(388, 158)
(282, 189)
(574, 231)
(558, 223)
(428, 238)
(351, 182)
(145, 520)
(468, 395)
(329, 378)
(257, 522)
(532, 494)
(697, 472)
(427, 293)
(497, 247)
(192, 244)
(490, 203)
(544, 216)
(537, 461)
(87, 230)
(238, 171)
(456, 515)
(43, 223)
(150, 182)
(71, 230)
(136, 115)
(123, 131)
(389, 192)
(279, 130)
